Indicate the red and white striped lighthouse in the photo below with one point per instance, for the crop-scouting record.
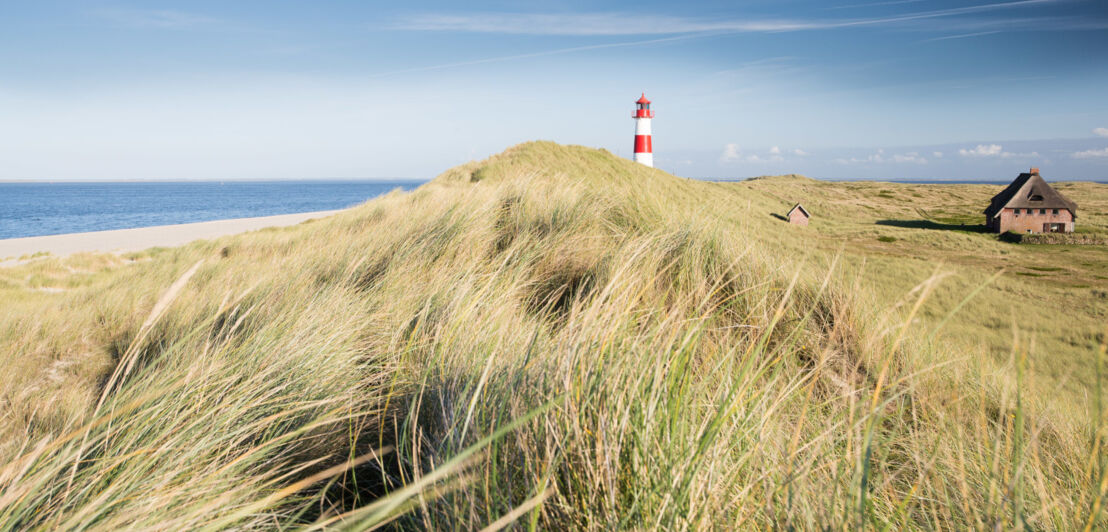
(644, 152)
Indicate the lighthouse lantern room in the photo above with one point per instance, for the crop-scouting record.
(644, 152)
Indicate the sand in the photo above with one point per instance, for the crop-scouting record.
(124, 240)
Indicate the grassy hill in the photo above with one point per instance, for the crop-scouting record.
(559, 338)
(1050, 301)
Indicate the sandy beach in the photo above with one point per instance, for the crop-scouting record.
(124, 240)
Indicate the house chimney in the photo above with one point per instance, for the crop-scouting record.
(1034, 170)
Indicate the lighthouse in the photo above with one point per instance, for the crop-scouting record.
(644, 152)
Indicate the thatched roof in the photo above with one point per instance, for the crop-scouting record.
(1030, 190)
(802, 209)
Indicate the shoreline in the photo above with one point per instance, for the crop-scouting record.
(14, 251)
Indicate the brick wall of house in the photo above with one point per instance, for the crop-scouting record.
(1023, 222)
(797, 217)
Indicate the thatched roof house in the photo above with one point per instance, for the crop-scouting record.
(1030, 205)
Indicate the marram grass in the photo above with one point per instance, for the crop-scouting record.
(554, 338)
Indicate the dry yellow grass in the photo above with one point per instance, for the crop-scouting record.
(553, 337)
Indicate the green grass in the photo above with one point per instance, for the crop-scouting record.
(944, 229)
(557, 338)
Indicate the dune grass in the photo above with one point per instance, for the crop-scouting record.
(551, 338)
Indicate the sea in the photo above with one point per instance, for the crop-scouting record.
(39, 209)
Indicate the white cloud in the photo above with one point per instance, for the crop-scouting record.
(961, 36)
(983, 151)
(937, 154)
(1101, 132)
(800, 153)
(910, 157)
(612, 23)
(875, 158)
(870, 4)
(668, 29)
(755, 158)
(993, 150)
(881, 158)
(731, 153)
(630, 23)
(1089, 154)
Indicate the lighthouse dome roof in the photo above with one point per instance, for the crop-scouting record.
(643, 99)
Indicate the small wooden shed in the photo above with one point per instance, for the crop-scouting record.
(798, 215)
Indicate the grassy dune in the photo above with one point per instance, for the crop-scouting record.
(1053, 298)
(551, 338)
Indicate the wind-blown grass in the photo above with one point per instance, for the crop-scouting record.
(553, 337)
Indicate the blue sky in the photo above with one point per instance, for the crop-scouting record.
(892, 89)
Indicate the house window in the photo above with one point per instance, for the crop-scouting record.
(1036, 197)
(1017, 212)
(1029, 211)
(1055, 211)
(1042, 211)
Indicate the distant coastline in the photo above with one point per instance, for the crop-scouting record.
(205, 180)
(14, 251)
(30, 209)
